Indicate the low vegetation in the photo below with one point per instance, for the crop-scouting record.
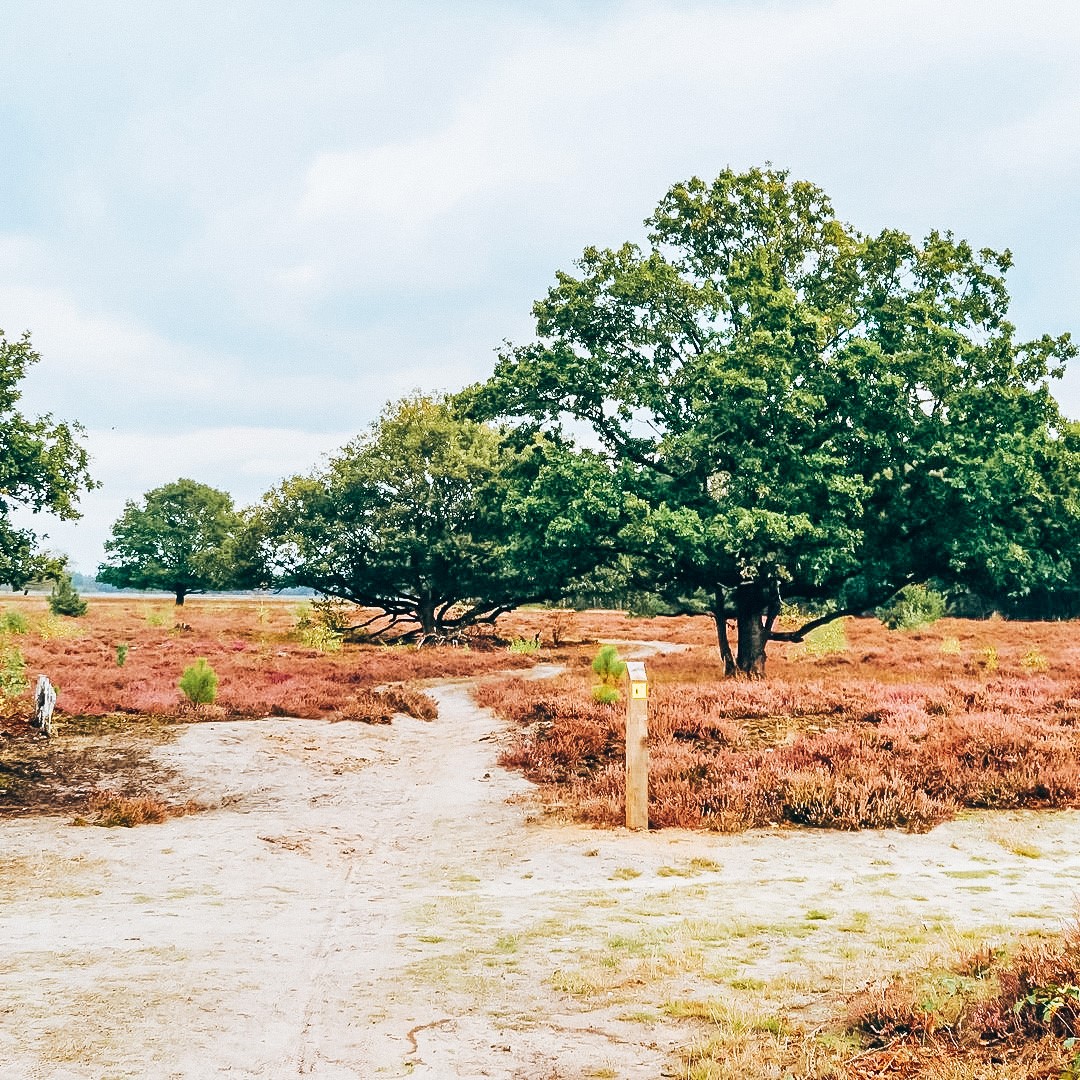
(111, 809)
(129, 671)
(1001, 1013)
(885, 730)
(127, 656)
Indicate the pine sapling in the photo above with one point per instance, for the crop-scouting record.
(199, 683)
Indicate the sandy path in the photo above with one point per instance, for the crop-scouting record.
(379, 902)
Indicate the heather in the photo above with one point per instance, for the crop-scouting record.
(126, 656)
(893, 730)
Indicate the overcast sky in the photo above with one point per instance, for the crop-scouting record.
(236, 230)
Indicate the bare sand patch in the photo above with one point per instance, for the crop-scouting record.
(386, 901)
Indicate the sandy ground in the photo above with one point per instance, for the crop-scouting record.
(386, 901)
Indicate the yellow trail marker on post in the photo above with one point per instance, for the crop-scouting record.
(637, 748)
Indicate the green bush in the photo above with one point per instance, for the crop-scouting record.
(158, 617)
(609, 669)
(199, 683)
(121, 653)
(13, 681)
(319, 627)
(605, 695)
(13, 622)
(913, 606)
(524, 646)
(65, 599)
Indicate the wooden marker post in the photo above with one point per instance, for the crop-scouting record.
(637, 748)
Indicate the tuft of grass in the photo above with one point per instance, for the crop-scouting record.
(691, 869)
(524, 646)
(1035, 662)
(110, 809)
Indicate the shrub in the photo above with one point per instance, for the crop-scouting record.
(319, 626)
(321, 638)
(53, 628)
(113, 810)
(380, 706)
(1035, 662)
(199, 683)
(13, 622)
(610, 670)
(524, 646)
(950, 647)
(13, 681)
(912, 607)
(65, 599)
(122, 650)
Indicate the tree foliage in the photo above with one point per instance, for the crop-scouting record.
(437, 522)
(804, 411)
(184, 538)
(43, 467)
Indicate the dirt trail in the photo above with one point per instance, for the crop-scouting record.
(379, 901)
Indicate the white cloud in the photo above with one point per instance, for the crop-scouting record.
(101, 365)
(313, 226)
(245, 461)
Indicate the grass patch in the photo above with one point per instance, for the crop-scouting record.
(110, 809)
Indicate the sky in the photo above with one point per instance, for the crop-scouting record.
(235, 231)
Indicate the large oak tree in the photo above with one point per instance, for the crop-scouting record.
(806, 412)
(437, 522)
(43, 467)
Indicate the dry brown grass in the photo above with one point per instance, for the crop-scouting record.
(111, 809)
(991, 1015)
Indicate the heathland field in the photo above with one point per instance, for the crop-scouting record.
(411, 862)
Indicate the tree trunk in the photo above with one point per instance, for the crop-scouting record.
(753, 622)
(720, 618)
(425, 614)
(180, 597)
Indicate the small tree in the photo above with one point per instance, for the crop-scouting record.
(65, 599)
(183, 539)
(610, 669)
(912, 607)
(199, 683)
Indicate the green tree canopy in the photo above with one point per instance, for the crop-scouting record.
(806, 412)
(183, 539)
(43, 467)
(437, 522)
